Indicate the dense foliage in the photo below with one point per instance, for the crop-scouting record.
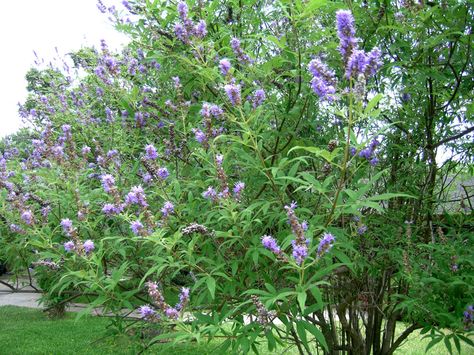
(254, 171)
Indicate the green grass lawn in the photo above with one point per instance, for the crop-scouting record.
(25, 331)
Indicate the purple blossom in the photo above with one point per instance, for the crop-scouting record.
(304, 225)
(112, 153)
(108, 182)
(325, 244)
(200, 29)
(110, 209)
(136, 196)
(182, 10)
(27, 217)
(136, 227)
(163, 173)
(271, 244)
(239, 53)
(219, 159)
(406, 97)
(346, 33)
(147, 178)
(181, 32)
(146, 312)
(85, 150)
(206, 110)
(300, 251)
(171, 313)
(69, 246)
(177, 82)
(66, 129)
(238, 188)
(16, 228)
(224, 66)
(183, 299)
(199, 135)
(258, 98)
(167, 209)
(362, 229)
(66, 224)
(357, 64)
(374, 161)
(88, 246)
(233, 93)
(58, 151)
(365, 153)
(126, 4)
(216, 111)
(373, 62)
(210, 194)
(150, 152)
(324, 81)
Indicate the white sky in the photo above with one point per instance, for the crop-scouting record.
(42, 25)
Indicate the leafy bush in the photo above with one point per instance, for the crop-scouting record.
(239, 172)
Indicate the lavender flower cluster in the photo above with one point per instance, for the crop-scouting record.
(300, 244)
(150, 314)
(186, 28)
(212, 194)
(468, 318)
(264, 316)
(358, 64)
(75, 244)
(210, 113)
(368, 153)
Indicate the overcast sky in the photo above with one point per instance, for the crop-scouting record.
(42, 25)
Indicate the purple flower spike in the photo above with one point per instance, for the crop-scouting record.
(146, 312)
(219, 159)
(27, 217)
(324, 81)
(258, 98)
(271, 244)
(357, 64)
(136, 196)
(200, 30)
(183, 299)
(200, 135)
(171, 313)
(224, 66)
(163, 173)
(136, 227)
(238, 188)
(210, 194)
(150, 152)
(183, 10)
(67, 226)
(233, 93)
(168, 208)
(325, 244)
(89, 246)
(373, 62)
(346, 33)
(300, 251)
(108, 182)
(69, 246)
(362, 229)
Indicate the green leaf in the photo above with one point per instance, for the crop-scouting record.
(211, 286)
(301, 296)
(466, 340)
(372, 103)
(317, 334)
(388, 196)
(433, 343)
